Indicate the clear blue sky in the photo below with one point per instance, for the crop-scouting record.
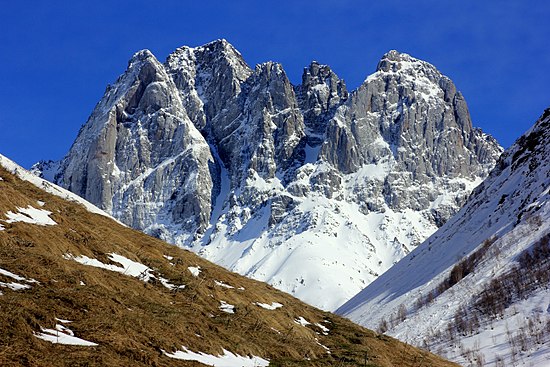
(57, 57)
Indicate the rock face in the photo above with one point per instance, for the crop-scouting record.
(140, 157)
(310, 188)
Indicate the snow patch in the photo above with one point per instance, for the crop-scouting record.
(63, 335)
(226, 307)
(301, 321)
(31, 215)
(129, 267)
(227, 359)
(9, 274)
(14, 286)
(272, 306)
(223, 285)
(25, 175)
(323, 346)
(323, 328)
(195, 270)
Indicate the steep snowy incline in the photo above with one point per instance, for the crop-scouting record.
(47, 186)
(477, 289)
(310, 188)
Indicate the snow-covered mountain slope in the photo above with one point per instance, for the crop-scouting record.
(47, 186)
(478, 288)
(79, 289)
(310, 188)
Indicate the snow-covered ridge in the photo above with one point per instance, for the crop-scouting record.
(49, 187)
(506, 217)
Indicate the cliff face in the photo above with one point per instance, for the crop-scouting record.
(140, 157)
(308, 187)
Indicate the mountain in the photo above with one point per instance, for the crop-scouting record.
(311, 188)
(477, 290)
(77, 288)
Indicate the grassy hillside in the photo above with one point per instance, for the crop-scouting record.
(137, 321)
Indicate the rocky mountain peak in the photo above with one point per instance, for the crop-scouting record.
(316, 74)
(532, 146)
(320, 93)
(270, 69)
(141, 56)
(394, 61)
(207, 77)
(219, 46)
(270, 179)
(139, 136)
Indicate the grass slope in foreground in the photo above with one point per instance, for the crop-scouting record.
(79, 289)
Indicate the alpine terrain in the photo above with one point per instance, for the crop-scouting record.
(477, 291)
(311, 188)
(79, 289)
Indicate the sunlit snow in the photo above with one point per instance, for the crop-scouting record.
(301, 321)
(63, 335)
(223, 285)
(129, 267)
(195, 270)
(13, 285)
(512, 206)
(226, 307)
(31, 215)
(272, 306)
(25, 175)
(323, 328)
(227, 359)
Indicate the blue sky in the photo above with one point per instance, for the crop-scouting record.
(58, 56)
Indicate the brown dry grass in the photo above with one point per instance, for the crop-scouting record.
(133, 321)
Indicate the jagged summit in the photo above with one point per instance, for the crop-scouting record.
(214, 51)
(394, 61)
(320, 93)
(206, 78)
(217, 46)
(311, 188)
(141, 55)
